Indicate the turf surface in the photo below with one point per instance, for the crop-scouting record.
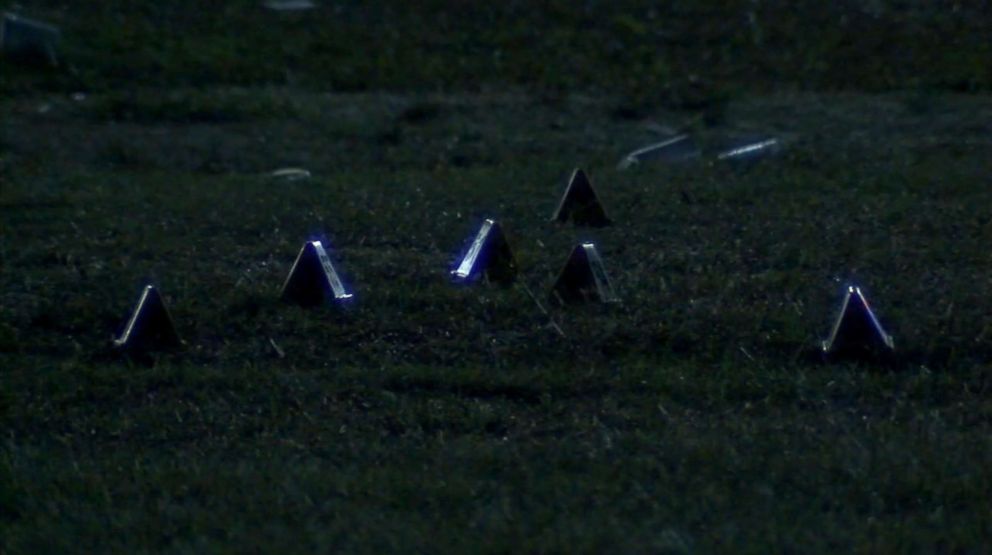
(692, 417)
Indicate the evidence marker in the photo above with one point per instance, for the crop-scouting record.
(857, 332)
(489, 256)
(150, 326)
(580, 203)
(28, 40)
(583, 279)
(313, 280)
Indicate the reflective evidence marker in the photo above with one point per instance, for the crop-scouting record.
(580, 203)
(489, 255)
(313, 279)
(583, 278)
(25, 38)
(150, 326)
(857, 332)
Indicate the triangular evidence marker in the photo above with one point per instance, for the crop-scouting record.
(580, 203)
(150, 326)
(28, 39)
(857, 332)
(313, 279)
(489, 255)
(583, 278)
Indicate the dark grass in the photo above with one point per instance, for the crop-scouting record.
(691, 54)
(433, 417)
(692, 417)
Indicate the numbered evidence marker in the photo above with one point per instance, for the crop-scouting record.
(150, 326)
(857, 333)
(489, 256)
(580, 203)
(583, 278)
(313, 280)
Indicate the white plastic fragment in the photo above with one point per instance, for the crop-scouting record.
(291, 174)
(278, 350)
(751, 151)
(583, 278)
(290, 5)
(676, 149)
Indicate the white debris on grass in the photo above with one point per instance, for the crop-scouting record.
(290, 5)
(751, 151)
(290, 174)
(676, 149)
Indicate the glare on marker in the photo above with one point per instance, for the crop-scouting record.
(583, 278)
(150, 326)
(580, 203)
(857, 332)
(313, 280)
(489, 256)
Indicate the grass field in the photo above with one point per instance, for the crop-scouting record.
(693, 417)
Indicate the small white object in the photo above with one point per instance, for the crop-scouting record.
(290, 5)
(676, 149)
(751, 151)
(291, 174)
